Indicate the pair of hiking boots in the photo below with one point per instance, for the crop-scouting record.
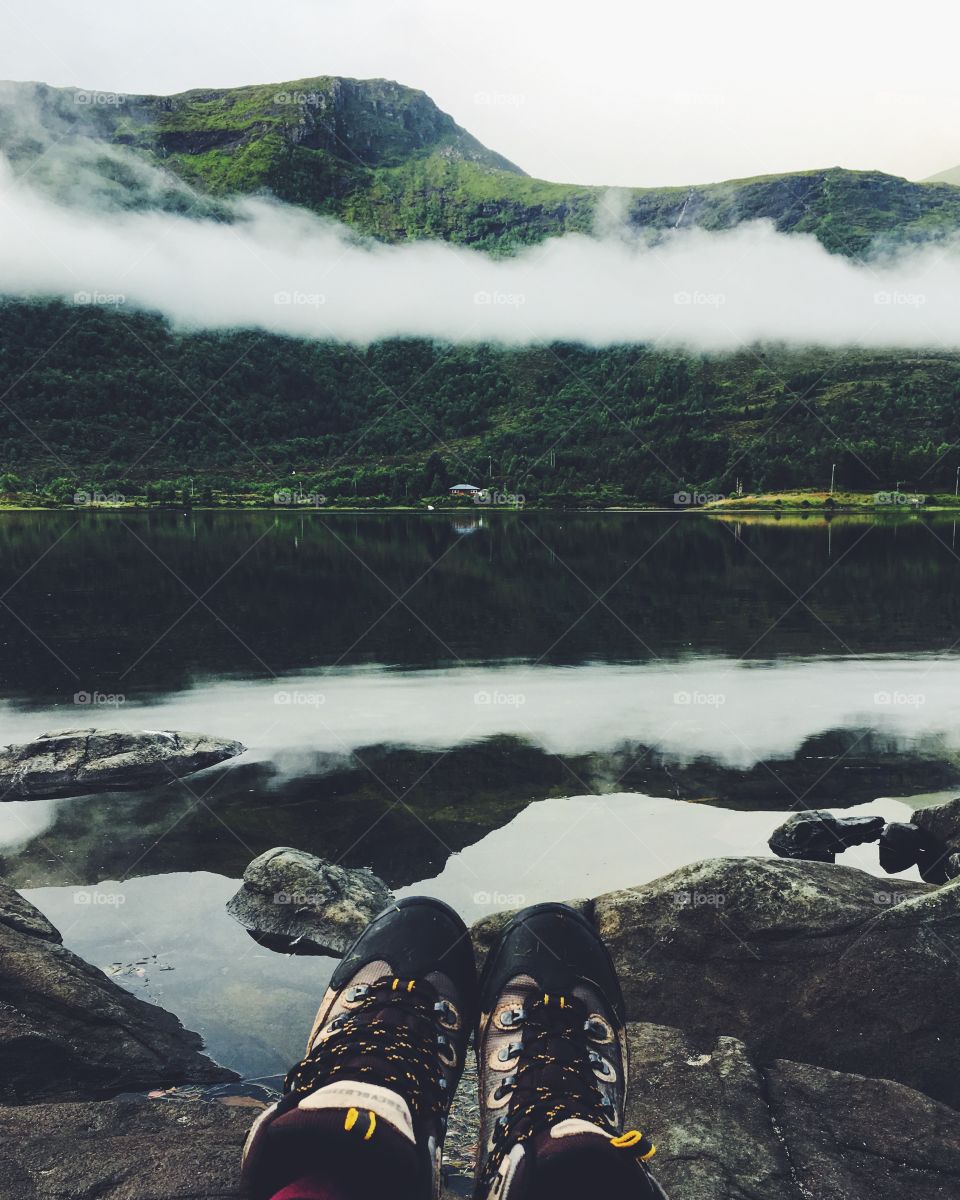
(367, 1107)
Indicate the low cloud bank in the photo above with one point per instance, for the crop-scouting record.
(280, 269)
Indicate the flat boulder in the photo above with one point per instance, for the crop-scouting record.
(295, 902)
(80, 762)
(68, 1032)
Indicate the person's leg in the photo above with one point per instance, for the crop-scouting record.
(364, 1114)
(552, 1065)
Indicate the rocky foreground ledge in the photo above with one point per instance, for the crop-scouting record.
(792, 1033)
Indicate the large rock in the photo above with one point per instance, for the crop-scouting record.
(69, 1032)
(294, 901)
(728, 1129)
(81, 761)
(808, 961)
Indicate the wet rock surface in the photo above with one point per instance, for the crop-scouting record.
(83, 761)
(294, 901)
(69, 1032)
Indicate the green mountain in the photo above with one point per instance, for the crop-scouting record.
(111, 400)
(950, 176)
(384, 159)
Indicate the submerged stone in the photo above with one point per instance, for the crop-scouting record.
(295, 902)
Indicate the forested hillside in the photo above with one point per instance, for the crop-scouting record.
(109, 398)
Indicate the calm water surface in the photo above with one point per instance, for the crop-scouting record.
(497, 709)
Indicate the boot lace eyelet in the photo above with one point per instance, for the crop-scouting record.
(510, 1017)
(598, 1029)
(447, 1015)
(445, 1051)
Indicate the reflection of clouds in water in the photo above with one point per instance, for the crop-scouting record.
(733, 712)
(222, 983)
(580, 846)
(23, 820)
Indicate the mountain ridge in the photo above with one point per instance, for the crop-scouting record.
(384, 159)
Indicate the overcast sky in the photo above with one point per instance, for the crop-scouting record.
(611, 92)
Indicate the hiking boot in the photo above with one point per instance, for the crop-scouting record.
(552, 1067)
(368, 1104)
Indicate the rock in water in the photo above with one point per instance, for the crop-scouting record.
(941, 822)
(819, 836)
(940, 838)
(901, 844)
(68, 1032)
(294, 901)
(79, 762)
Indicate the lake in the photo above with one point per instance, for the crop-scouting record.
(496, 709)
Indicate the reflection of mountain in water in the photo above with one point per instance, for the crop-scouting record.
(404, 811)
(113, 598)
